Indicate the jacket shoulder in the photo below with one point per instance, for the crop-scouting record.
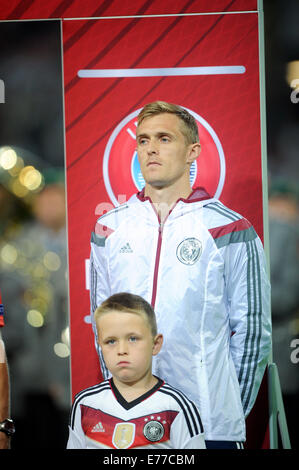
(217, 214)
(227, 226)
(107, 223)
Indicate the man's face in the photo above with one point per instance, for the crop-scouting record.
(127, 345)
(163, 153)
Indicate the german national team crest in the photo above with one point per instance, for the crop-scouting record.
(189, 251)
(121, 169)
(153, 431)
(123, 435)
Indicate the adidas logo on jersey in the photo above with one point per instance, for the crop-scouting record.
(98, 427)
(126, 249)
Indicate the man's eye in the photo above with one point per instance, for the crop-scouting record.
(165, 139)
(142, 141)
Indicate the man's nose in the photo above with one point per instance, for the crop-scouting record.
(152, 147)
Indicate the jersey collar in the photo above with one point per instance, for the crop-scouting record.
(128, 405)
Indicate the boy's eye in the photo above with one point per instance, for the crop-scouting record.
(110, 341)
(133, 339)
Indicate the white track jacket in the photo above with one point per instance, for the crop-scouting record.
(204, 273)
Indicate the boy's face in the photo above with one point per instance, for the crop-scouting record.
(127, 345)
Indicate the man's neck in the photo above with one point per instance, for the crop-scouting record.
(165, 198)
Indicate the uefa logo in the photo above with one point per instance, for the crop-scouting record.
(121, 169)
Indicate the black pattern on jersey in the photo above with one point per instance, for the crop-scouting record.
(85, 393)
(188, 407)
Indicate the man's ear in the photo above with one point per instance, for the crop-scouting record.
(194, 152)
(158, 341)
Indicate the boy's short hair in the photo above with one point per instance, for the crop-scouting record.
(129, 303)
(189, 126)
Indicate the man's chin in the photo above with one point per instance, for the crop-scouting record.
(157, 184)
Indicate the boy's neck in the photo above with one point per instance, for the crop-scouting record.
(132, 391)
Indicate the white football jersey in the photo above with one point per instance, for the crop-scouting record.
(162, 418)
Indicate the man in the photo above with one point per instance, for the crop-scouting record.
(202, 267)
(6, 425)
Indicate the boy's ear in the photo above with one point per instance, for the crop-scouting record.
(158, 341)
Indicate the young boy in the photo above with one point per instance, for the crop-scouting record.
(133, 409)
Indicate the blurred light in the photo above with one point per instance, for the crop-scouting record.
(18, 189)
(44, 292)
(52, 261)
(30, 177)
(39, 271)
(28, 295)
(292, 75)
(38, 297)
(9, 254)
(28, 247)
(294, 326)
(8, 158)
(39, 304)
(35, 318)
(61, 350)
(21, 262)
(15, 170)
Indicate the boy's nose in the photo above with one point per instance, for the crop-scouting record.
(122, 348)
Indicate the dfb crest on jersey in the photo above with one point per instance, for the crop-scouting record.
(121, 169)
(189, 251)
(123, 435)
(153, 431)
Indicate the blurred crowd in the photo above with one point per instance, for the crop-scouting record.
(33, 281)
(284, 264)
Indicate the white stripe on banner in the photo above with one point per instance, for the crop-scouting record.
(162, 72)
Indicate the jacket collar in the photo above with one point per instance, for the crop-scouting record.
(197, 194)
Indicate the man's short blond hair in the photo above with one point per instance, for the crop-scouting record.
(128, 303)
(189, 126)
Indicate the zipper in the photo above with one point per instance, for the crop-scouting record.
(158, 252)
(159, 243)
(157, 262)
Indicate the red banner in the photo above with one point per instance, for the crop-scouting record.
(39, 9)
(112, 67)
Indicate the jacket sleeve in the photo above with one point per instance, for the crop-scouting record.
(99, 282)
(248, 296)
